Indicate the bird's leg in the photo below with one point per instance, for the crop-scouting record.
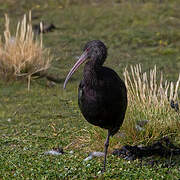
(106, 144)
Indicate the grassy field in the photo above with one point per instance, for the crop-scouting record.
(33, 122)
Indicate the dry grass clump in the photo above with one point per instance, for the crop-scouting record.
(145, 89)
(20, 54)
(149, 100)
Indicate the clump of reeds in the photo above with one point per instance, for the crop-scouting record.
(145, 89)
(149, 98)
(21, 55)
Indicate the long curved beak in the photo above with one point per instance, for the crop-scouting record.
(81, 60)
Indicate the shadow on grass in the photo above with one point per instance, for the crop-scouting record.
(162, 153)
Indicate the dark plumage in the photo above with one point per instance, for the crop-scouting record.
(102, 95)
(45, 28)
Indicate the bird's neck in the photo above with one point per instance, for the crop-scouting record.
(90, 74)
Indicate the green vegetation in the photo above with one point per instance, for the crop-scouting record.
(33, 122)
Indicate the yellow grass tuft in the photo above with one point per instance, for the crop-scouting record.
(145, 89)
(149, 99)
(21, 55)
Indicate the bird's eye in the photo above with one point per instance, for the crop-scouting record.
(96, 51)
(87, 49)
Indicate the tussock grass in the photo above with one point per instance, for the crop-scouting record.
(149, 99)
(144, 88)
(21, 55)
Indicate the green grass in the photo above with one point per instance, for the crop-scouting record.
(46, 117)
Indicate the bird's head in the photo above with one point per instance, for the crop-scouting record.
(94, 51)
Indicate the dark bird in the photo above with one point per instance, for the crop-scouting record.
(44, 29)
(102, 95)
